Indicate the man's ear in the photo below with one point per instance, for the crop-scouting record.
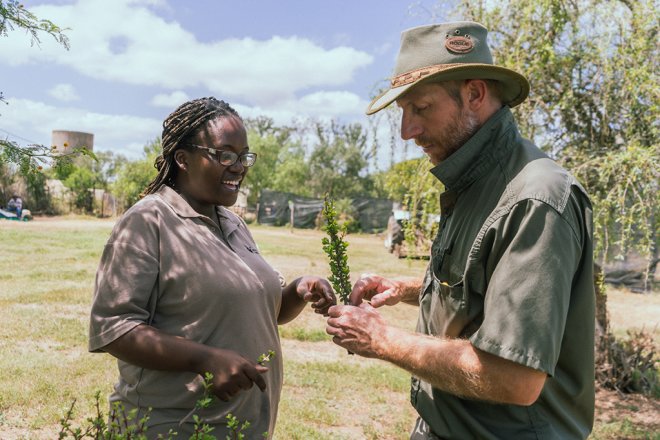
(476, 91)
(181, 159)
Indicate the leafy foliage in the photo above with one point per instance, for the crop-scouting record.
(281, 163)
(335, 247)
(630, 365)
(338, 160)
(419, 191)
(13, 15)
(124, 425)
(133, 176)
(593, 69)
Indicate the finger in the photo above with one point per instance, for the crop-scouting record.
(380, 299)
(323, 303)
(335, 311)
(255, 376)
(244, 382)
(367, 306)
(227, 392)
(328, 293)
(322, 310)
(332, 331)
(362, 289)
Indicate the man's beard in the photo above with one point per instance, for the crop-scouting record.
(455, 134)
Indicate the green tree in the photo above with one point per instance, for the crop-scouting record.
(81, 182)
(293, 172)
(338, 162)
(410, 183)
(14, 16)
(132, 177)
(38, 197)
(275, 147)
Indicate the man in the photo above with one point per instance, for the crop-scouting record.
(505, 336)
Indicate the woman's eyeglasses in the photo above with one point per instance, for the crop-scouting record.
(228, 158)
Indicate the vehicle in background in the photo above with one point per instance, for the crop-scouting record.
(26, 215)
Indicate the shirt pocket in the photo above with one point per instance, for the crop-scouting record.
(449, 305)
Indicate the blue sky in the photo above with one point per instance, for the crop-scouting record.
(132, 62)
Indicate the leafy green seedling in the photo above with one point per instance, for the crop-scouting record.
(335, 246)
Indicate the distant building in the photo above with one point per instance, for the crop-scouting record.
(65, 141)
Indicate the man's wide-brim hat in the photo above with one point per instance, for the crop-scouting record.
(445, 52)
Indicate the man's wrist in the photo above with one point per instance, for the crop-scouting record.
(409, 291)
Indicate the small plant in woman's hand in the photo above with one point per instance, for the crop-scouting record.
(266, 357)
(208, 397)
(335, 247)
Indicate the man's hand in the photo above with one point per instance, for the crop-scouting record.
(377, 290)
(361, 330)
(317, 291)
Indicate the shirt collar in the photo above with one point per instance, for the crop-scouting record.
(477, 155)
(178, 203)
(182, 208)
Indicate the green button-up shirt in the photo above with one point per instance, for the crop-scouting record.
(511, 270)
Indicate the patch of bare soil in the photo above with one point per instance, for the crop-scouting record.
(641, 411)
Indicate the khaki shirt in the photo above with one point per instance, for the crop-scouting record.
(168, 266)
(511, 270)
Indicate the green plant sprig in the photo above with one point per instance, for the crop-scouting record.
(266, 357)
(208, 397)
(335, 247)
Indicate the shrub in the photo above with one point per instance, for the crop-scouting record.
(630, 365)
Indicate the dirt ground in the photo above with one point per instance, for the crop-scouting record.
(641, 411)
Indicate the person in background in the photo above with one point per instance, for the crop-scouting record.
(15, 204)
(182, 289)
(504, 345)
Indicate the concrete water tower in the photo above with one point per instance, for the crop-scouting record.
(65, 141)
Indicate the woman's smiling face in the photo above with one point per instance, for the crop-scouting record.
(204, 181)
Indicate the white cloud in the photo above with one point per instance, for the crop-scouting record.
(331, 104)
(171, 100)
(64, 92)
(129, 43)
(337, 105)
(35, 121)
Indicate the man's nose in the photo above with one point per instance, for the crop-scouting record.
(410, 128)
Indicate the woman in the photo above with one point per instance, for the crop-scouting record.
(182, 290)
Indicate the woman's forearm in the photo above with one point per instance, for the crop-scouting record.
(292, 303)
(148, 347)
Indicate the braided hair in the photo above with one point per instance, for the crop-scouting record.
(178, 127)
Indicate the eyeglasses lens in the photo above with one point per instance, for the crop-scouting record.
(229, 158)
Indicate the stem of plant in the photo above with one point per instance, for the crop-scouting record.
(335, 246)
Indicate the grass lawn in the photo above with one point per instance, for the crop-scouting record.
(47, 270)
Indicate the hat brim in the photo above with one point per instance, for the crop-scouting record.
(514, 91)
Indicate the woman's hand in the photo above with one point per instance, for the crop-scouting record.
(232, 373)
(302, 290)
(317, 291)
(148, 347)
